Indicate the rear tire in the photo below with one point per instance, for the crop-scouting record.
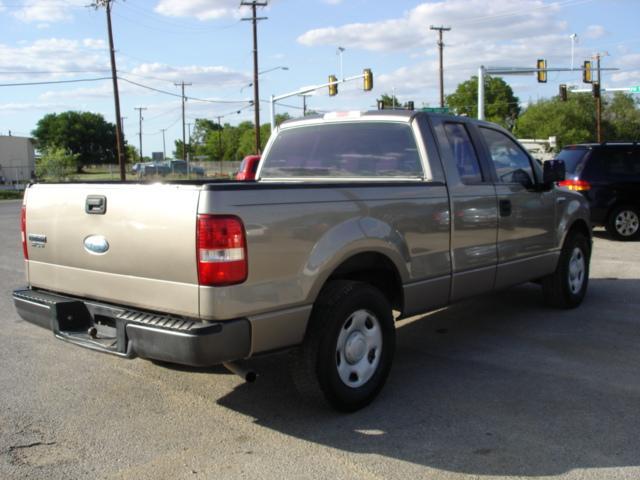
(567, 286)
(624, 223)
(348, 348)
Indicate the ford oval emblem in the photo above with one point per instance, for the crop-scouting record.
(96, 244)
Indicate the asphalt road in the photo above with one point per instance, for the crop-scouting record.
(499, 386)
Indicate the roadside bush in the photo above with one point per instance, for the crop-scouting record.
(56, 164)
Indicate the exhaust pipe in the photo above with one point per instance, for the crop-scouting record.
(247, 375)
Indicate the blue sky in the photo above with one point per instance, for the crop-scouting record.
(204, 42)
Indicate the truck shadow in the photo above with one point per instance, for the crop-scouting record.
(498, 385)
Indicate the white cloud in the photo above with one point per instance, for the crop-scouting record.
(200, 9)
(500, 20)
(47, 11)
(29, 107)
(198, 75)
(54, 55)
(595, 31)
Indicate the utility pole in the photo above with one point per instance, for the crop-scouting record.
(164, 145)
(598, 99)
(441, 29)
(184, 135)
(140, 109)
(116, 96)
(256, 91)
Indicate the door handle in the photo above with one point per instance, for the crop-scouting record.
(505, 208)
(96, 205)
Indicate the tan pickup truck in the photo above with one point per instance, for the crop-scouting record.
(353, 216)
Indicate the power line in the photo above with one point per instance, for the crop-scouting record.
(165, 92)
(52, 82)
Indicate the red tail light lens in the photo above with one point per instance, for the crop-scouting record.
(222, 250)
(23, 231)
(575, 185)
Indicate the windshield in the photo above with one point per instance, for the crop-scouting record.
(347, 150)
(572, 158)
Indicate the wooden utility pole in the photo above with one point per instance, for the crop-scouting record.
(441, 29)
(116, 96)
(256, 91)
(184, 133)
(598, 101)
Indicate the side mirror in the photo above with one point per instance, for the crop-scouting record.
(553, 171)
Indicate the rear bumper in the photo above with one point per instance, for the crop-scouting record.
(129, 333)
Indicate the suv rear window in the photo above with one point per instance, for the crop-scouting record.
(347, 150)
(572, 158)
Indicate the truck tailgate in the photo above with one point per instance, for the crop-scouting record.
(150, 231)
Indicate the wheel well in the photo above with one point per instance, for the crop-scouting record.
(375, 269)
(580, 226)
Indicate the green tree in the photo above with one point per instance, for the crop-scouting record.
(574, 121)
(86, 135)
(501, 105)
(56, 164)
(391, 101)
(621, 118)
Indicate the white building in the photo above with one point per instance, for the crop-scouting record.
(17, 159)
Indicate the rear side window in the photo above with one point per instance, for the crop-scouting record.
(367, 149)
(573, 159)
(464, 153)
(511, 163)
(613, 163)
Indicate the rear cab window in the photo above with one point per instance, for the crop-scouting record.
(346, 150)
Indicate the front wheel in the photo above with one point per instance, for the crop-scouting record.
(567, 286)
(348, 349)
(624, 223)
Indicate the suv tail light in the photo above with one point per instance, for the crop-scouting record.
(575, 185)
(222, 250)
(23, 231)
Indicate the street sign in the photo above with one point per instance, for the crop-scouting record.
(635, 89)
(436, 109)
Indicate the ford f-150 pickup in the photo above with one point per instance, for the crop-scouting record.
(355, 220)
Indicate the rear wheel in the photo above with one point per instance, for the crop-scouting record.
(624, 223)
(348, 348)
(567, 286)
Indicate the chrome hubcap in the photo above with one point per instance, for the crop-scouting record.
(577, 267)
(358, 348)
(627, 223)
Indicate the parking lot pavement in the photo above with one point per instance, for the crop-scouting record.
(498, 386)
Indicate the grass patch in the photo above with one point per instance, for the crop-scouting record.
(11, 194)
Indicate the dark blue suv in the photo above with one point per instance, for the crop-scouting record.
(608, 175)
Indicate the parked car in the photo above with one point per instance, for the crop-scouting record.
(182, 167)
(248, 168)
(608, 175)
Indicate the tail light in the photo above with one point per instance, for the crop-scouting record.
(575, 185)
(222, 250)
(23, 231)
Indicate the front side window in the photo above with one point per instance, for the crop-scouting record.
(511, 163)
(464, 154)
(345, 150)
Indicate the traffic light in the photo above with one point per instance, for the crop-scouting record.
(595, 86)
(563, 92)
(380, 105)
(333, 85)
(541, 65)
(368, 79)
(586, 72)
(410, 105)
